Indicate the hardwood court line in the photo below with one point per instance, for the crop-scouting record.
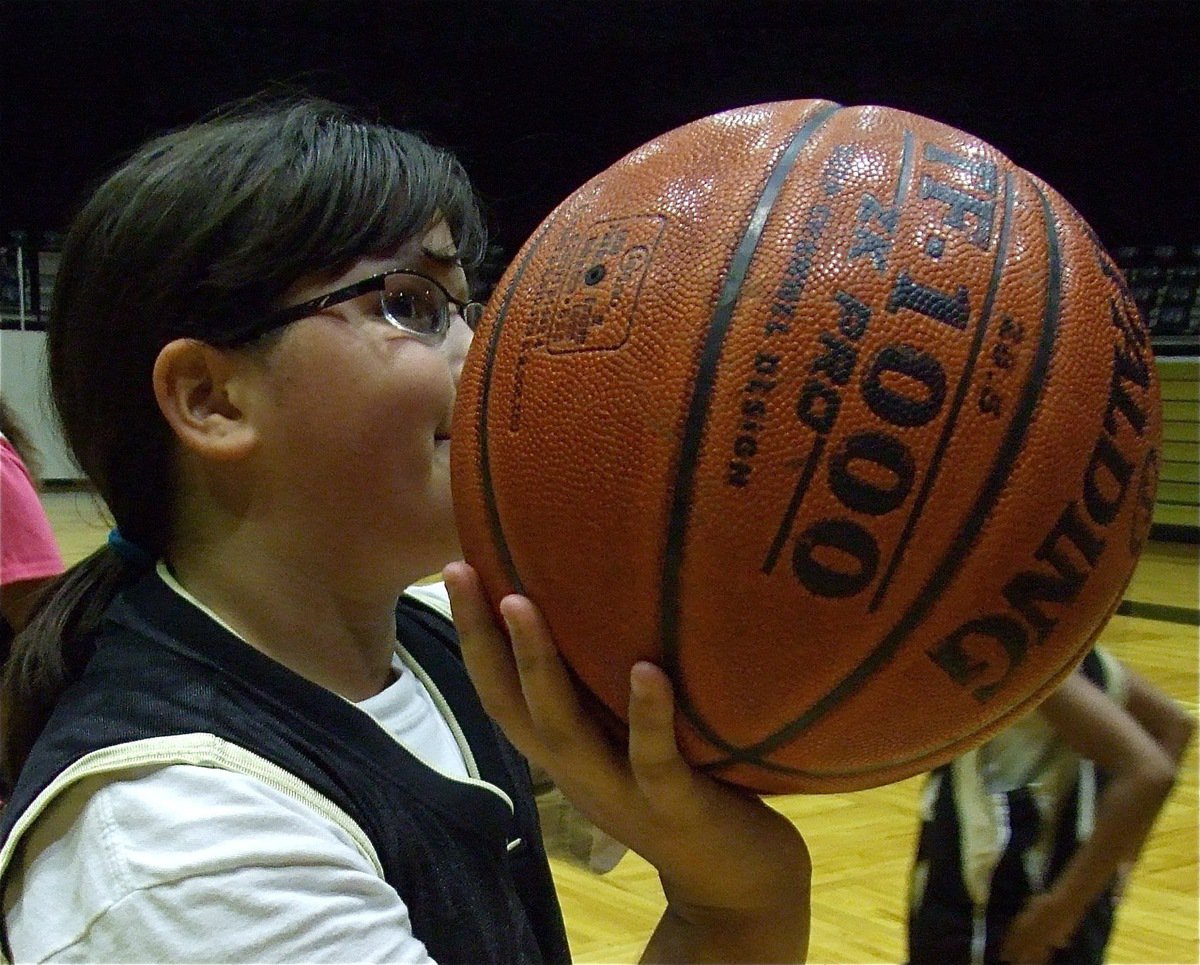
(1160, 611)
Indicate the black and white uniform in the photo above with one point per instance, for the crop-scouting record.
(998, 825)
(192, 799)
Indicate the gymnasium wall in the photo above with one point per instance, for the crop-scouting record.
(22, 381)
(1177, 507)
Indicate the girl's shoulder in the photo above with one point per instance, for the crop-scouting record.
(136, 849)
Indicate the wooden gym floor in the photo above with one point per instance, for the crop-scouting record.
(862, 843)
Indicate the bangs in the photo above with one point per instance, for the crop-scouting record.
(372, 189)
(320, 190)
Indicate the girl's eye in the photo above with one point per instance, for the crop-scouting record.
(400, 305)
(413, 311)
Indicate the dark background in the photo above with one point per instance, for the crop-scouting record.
(1102, 98)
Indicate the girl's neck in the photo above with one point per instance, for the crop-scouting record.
(313, 619)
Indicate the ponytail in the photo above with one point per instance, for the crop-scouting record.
(53, 649)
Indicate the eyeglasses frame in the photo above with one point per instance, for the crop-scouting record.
(469, 310)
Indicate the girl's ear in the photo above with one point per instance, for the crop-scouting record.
(200, 393)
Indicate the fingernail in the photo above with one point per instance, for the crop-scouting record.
(510, 629)
(637, 681)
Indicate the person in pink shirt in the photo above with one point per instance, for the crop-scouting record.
(29, 553)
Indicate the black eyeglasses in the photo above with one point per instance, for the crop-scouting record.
(414, 303)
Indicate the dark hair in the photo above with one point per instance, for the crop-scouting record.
(199, 230)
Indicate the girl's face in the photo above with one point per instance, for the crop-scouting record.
(356, 440)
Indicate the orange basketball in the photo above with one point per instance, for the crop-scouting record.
(835, 413)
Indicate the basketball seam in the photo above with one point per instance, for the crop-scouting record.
(694, 425)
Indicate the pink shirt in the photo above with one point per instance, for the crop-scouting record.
(28, 550)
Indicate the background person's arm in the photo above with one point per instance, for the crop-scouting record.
(1139, 748)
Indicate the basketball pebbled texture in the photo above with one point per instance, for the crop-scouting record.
(837, 414)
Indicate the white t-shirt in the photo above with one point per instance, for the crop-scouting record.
(194, 863)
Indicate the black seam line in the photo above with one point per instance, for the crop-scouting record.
(943, 575)
(483, 432)
(1014, 713)
(681, 503)
(960, 395)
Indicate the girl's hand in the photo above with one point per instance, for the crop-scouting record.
(1040, 929)
(735, 872)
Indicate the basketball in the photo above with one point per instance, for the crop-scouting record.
(836, 414)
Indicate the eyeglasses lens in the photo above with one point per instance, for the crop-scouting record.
(414, 305)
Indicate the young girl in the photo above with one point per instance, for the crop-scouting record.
(235, 736)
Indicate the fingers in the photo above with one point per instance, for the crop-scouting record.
(547, 687)
(486, 651)
(1025, 945)
(654, 755)
(520, 678)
